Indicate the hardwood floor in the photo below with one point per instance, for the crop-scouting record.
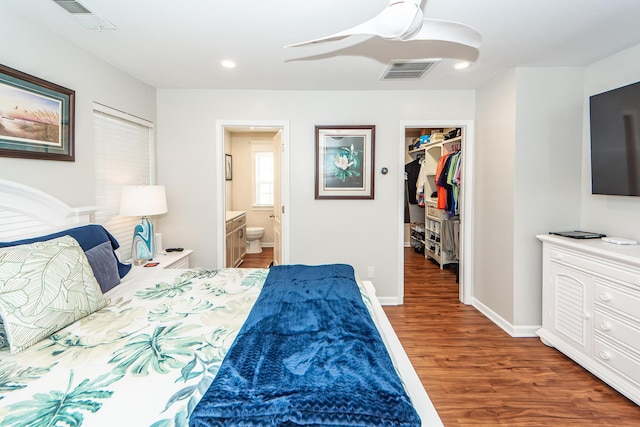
(261, 260)
(477, 375)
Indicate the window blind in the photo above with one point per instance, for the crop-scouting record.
(124, 156)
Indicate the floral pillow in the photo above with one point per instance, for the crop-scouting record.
(44, 287)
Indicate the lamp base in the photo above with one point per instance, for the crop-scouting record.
(143, 248)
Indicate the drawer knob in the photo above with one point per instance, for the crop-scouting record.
(586, 315)
(605, 297)
(605, 326)
(604, 355)
(556, 256)
(637, 282)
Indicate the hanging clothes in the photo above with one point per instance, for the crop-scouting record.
(448, 182)
(420, 185)
(450, 245)
(453, 207)
(412, 169)
(407, 213)
(444, 189)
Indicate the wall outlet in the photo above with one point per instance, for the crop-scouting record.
(371, 272)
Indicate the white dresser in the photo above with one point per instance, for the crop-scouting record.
(591, 307)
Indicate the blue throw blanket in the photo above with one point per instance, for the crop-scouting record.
(308, 354)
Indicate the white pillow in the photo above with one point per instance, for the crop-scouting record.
(44, 287)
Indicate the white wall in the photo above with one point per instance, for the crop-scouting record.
(527, 182)
(363, 233)
(612, 215)
(33, 50)
(547, 177)
(494, 196)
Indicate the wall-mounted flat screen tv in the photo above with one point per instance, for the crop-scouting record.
(615, 141)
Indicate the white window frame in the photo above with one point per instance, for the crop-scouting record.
(119, 164)
(258, 146)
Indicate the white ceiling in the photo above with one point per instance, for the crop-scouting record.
(180, 43)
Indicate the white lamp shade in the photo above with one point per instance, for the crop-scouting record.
(143, 200)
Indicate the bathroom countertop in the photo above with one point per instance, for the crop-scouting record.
(231, 215)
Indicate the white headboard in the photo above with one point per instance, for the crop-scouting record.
(26, 211)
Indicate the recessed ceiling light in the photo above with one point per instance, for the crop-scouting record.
(227, 63)
(461, 65)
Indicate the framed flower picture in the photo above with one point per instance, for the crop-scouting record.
(345, 162)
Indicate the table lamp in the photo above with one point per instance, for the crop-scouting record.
(143, 201)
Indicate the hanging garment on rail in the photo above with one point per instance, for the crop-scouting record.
(453, 181)
(441, 190)
(450, 241)
(445, 195)
(448, 182)
(412, 169)
(407, 212)
(421, 184)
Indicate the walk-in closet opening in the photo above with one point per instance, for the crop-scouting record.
(435, 201)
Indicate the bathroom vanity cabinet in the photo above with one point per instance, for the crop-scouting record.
(236, 237)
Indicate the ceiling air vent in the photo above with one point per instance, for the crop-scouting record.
(83, 15)
(414, 69)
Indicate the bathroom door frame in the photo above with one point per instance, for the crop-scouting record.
(221, 127)
(466, 230)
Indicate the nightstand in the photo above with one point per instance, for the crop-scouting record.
(171, 259)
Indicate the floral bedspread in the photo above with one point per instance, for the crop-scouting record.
(143, 360)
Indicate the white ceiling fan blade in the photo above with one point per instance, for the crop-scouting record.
(396, 21)
(448, 31)
(364, 28)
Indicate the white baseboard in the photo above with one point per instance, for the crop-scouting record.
(388, 300)
(526, 331)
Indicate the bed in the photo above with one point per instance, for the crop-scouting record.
(146, 347)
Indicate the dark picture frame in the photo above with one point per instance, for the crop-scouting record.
(37, 117)
(345, 157)
(228, 171)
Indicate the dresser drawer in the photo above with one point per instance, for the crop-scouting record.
(609, 270)
(623, 302)
(612, 357)
(229, 226)
(239, 221)
(628, 333)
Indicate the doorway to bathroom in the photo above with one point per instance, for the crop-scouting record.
(252, 193)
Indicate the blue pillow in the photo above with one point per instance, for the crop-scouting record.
(88, 236)
(104, 266)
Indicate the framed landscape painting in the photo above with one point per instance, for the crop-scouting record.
(36, 117)
(345, 162)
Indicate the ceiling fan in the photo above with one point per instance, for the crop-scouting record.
(403, 21)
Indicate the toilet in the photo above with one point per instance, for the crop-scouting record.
(254, 244)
